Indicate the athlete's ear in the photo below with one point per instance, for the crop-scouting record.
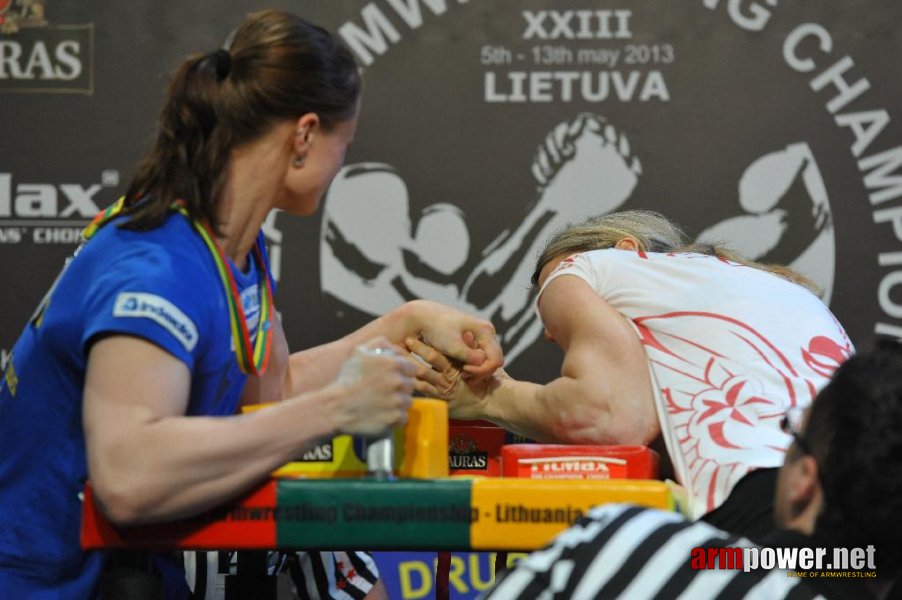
(303, 136)
(804, 493)
(627, 243)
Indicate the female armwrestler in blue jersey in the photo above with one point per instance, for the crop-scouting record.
(131, 370)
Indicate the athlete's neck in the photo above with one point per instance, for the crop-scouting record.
(249, 195)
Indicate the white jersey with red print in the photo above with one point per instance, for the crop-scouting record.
(730, 348)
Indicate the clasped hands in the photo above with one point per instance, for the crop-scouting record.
(449, 355)
(440, 376)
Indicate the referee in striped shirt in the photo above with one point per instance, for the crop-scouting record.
(840, 487)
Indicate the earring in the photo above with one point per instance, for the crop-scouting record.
(298, 161)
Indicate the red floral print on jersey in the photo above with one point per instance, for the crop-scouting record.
(724, 398)
(564, 264)
(824, 355)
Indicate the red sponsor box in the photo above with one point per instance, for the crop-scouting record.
(558, 461)
(474, 448)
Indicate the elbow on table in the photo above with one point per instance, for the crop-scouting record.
(602, 426)
(122, 500)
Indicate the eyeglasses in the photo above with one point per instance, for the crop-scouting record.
(791, 424)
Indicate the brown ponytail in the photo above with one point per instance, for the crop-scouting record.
(278, 67)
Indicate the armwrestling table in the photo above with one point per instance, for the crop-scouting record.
(422, 509)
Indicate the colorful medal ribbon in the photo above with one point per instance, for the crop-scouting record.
(252, 357)
(101, 219)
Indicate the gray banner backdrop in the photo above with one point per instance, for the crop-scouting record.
(486, 125)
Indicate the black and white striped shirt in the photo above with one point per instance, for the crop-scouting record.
(625, 551)
(313, 575)
(338, 575)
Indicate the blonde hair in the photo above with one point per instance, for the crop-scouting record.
(653, 232)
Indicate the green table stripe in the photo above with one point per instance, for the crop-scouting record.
(351, 513)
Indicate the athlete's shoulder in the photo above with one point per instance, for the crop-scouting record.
(615, 255)
(173, 251)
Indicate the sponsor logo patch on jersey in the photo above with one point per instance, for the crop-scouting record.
(160, 310)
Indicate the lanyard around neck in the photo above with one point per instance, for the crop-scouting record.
(252, 357)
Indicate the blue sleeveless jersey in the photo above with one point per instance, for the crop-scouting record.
(160, 285)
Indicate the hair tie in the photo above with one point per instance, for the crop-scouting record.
(223, 63)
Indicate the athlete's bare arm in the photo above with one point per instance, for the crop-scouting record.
(149, 462)
(603, 395)
(447, 329)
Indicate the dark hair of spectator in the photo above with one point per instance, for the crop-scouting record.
(855, 431)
